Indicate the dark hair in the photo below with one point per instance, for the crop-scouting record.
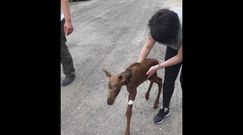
(164, 26)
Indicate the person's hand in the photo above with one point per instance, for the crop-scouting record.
(152, 70)
(68, 27)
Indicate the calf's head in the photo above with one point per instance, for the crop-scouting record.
(114, 84)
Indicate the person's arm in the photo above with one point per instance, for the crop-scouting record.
(146, 48)
(68, 28)
(170, 62)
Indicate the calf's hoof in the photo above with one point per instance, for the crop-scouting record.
(146, 96)
(155, 106)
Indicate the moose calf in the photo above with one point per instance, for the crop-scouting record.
(132, 77)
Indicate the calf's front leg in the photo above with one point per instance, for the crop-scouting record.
(131, 98)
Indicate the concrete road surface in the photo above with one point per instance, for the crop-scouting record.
(110, 34)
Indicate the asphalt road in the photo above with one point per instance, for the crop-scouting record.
(110, 34)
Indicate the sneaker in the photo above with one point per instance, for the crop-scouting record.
(68, 80)
(159, 118)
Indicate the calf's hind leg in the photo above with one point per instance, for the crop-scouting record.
(157, 80)
(148, 91)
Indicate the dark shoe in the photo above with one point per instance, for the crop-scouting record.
(68, 80)
(159, 118)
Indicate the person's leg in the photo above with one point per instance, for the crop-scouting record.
(171, 74)
(66, 59)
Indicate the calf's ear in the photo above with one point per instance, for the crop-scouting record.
(108, 74)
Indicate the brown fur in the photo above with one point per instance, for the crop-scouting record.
(132, 77)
